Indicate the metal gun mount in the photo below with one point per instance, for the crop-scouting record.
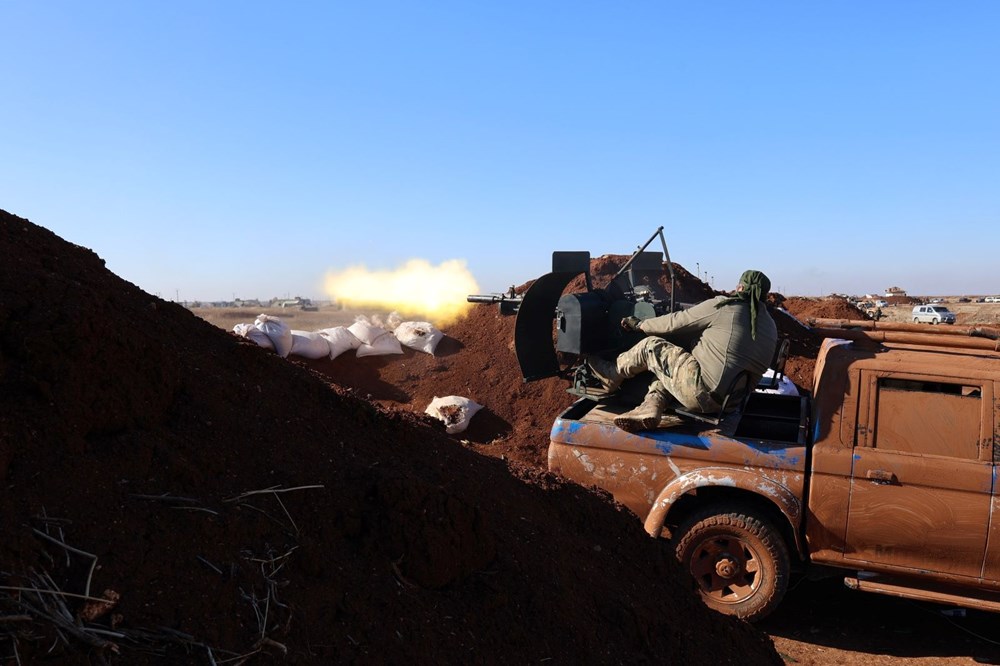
(586, 322)
(508, 301)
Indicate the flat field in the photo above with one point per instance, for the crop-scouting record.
(966, 314)
(984, 314)
(326, 316)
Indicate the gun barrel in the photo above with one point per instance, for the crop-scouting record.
(484, 298)
(509, 302)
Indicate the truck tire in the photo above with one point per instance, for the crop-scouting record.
(738, 559)
(916, 321)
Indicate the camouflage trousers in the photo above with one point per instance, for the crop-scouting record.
(677, 372)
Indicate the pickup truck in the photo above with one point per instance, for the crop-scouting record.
(885, 474)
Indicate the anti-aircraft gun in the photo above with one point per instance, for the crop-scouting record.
(587, 322)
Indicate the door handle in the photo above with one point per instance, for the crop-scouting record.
(882, 477)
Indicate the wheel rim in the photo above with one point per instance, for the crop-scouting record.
(726, 568)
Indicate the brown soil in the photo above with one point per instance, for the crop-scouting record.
(240, 504)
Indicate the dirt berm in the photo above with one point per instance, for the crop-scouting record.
(239, 504)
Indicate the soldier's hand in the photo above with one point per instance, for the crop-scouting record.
(630, 324)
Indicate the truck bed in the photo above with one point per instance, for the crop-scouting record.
(770, 416)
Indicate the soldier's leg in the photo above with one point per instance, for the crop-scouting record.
(685, 383)
(641, 357)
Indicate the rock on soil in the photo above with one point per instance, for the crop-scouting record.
(238, 503)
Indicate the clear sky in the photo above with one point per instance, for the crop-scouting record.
(210, 149)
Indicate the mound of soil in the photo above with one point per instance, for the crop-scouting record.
(805, 344)
(823, 308)
(229, 505)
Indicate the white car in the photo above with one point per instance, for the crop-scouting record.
(933, 314)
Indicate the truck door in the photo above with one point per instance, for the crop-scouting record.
(922, 476)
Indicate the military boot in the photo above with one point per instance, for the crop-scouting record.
(644, 417)
(606, 372)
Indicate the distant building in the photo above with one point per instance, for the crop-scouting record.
(895, 291)
(247, 303)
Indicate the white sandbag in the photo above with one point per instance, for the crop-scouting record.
(383, 344)
(278, 332)
(375, 340)
(419, 335)
(365, 331)
(454, 411)
(251, 332)
(340, 340)
(309, 345)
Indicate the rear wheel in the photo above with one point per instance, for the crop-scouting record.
(738, 560)
(935, 321)
(916, 321)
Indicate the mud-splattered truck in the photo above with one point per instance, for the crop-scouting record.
(886, 474)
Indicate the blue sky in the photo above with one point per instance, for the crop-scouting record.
(211, 149)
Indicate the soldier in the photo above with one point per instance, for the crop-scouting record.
(696, 353)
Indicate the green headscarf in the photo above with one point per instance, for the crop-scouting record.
(756, 287)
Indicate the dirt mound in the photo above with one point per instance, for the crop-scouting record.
(791, 317)
(475, 360)
(822, 308)
(238, 504)
(686, 287)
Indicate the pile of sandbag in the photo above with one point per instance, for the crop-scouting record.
(367, 336)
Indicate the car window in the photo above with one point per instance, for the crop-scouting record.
(928, 417)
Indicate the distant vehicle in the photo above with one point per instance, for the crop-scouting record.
(933, 314)
(993, 299)
(963, 300)
(935, 300)
(881, 304)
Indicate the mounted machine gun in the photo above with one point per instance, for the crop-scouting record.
(587, 322)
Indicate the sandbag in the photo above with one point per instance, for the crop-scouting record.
(365, 331)
(251, 332)
(375, 340)
(309, 345)
(384, 344)
(340, 340)
(454, 411)
(419, 335)
(278, 332)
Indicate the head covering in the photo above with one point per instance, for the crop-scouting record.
(756, 287)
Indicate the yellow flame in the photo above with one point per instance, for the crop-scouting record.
(437, 293)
